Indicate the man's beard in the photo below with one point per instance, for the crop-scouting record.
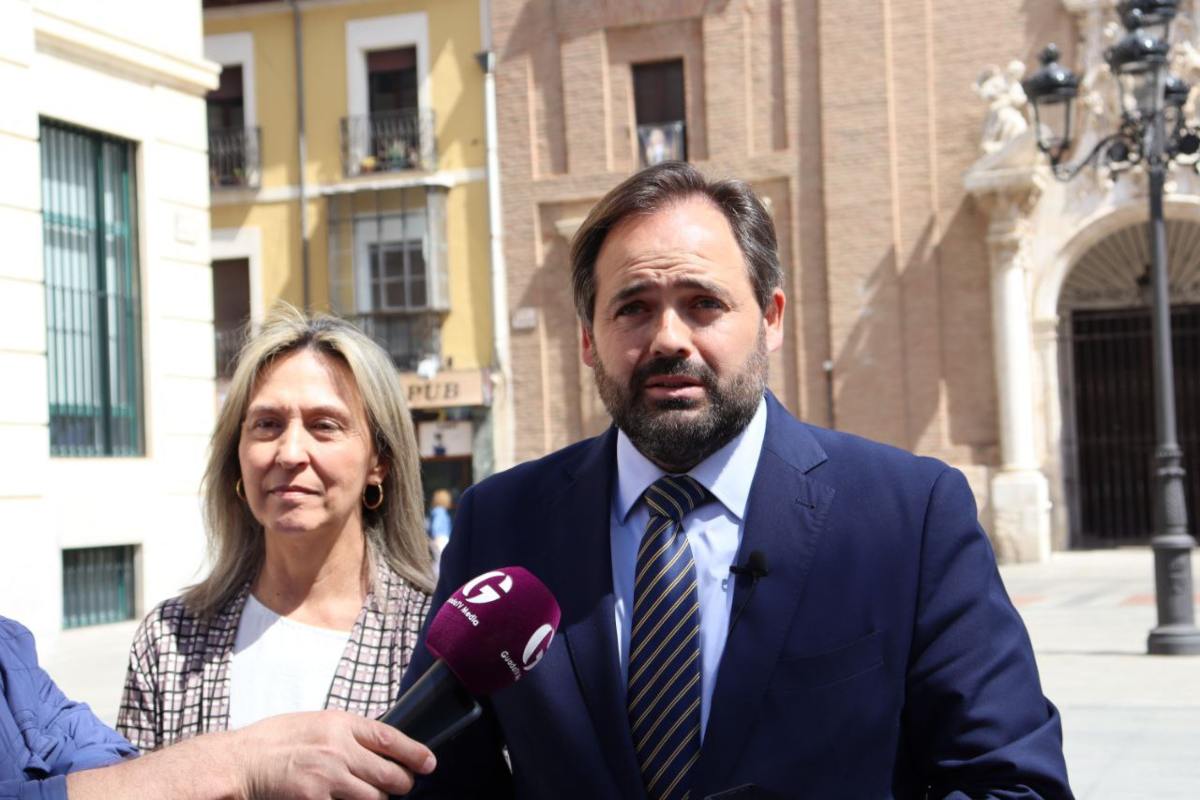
(663, 430)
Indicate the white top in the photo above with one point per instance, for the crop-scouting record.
(714, 531)
(279, 666)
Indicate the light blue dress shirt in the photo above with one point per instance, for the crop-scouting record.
(714, 531)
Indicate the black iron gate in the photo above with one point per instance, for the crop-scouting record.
(1113, 386)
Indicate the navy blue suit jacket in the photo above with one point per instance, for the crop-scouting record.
(880, 658)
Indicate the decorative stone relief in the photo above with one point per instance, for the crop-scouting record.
(1001, 90)
(1100, 99)
(1098, 90)
(1185, 62)
(1006, 184)
(1032, 220)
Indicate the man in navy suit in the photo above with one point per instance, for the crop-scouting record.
(752, 606)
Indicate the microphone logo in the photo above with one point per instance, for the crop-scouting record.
(537, 646)
(489, 589)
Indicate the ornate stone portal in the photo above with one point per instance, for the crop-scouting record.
(1038, 231)
(1007, 184)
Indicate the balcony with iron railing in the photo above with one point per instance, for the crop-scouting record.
(234, 159)
(662, 141)
(388, 141)
(407, 336)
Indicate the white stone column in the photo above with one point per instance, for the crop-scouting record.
(29, 567)
(1049, 411)
(1020, 492)
(1013, 343)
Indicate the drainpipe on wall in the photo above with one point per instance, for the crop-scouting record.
(301, 154)
(504, 420)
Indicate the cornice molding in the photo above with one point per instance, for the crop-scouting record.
(1017, 169)
(74, 39)
(1016, 182)
(446, 179)
(1084, 6)
(567, 227)
(272, 8)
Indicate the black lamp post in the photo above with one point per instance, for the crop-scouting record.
(1152, 132)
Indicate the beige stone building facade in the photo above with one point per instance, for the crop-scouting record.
(927, 250)
(105, 323)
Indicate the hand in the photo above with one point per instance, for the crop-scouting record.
(324, 754)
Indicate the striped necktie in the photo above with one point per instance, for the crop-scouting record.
(664, 643)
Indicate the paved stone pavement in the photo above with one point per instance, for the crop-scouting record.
(1131, 722)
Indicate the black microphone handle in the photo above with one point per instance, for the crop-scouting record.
(434, 709)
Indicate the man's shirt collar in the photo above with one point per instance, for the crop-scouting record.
(727, 473)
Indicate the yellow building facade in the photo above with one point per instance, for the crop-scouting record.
(386, 223)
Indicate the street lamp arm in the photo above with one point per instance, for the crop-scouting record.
(1118, 151)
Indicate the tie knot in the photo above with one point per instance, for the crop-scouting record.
(673, 496)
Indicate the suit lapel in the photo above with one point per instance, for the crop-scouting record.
(581, 566)
(785, 517)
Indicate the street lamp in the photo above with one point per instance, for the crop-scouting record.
(1156, 15)
(1154, 133)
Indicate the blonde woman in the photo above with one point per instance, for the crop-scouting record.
(321, 565)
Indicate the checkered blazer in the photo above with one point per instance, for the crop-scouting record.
(177, 685)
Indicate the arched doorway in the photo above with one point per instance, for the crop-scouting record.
(1105, 357)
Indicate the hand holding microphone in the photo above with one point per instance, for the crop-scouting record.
(485, 637)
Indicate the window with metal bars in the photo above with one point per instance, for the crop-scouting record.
(98, 585)
(398, 276)
(93, 317)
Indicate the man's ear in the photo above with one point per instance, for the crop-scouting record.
(773, 320)
(587, 344)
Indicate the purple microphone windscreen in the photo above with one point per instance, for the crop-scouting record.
(494, 629)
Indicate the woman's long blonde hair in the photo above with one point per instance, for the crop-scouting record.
(395, 532)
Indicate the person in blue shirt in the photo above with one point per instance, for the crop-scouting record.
(439, 523)
(52, 747)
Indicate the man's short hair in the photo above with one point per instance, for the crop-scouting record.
(658, 187)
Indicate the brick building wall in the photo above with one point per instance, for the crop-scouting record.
(856, 120)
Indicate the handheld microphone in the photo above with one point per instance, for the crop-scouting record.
(485, 637)
(754, 569)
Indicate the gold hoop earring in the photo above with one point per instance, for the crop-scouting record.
(378, 501)
(237, 489)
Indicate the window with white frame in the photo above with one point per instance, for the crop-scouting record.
(387, 267)
(392, 263)
(389, 122)
(233, 135)
(397, 274)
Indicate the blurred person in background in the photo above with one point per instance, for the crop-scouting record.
(439, 520)
(321, 566)
(54, 747)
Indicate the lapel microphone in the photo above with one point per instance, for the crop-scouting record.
(754, 569)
